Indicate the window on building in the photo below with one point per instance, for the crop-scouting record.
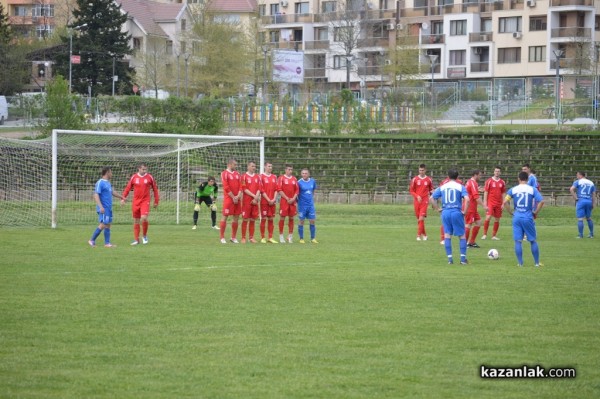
(457, 57)
(183, 25)
(355, 5)
(137, 43)
(301, 8)
(537, 54)
(420, 3)
(339, 61)
(43, 31)
(42, 10)
(458, 27)
(274, 8)
(20, 11)
(328, 6)
(537, 23)
(262, 10)
(319, 61)
(486, 25)
(510, 24)
(342, 33)
(510, 55)
(274, 36)
(437, 28)
(322, 33)
(169, 47)
(183, 47)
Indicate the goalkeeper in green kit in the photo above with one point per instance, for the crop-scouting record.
(207, 193)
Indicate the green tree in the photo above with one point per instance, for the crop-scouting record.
(100, 42)
(62, 109)
(14, 67)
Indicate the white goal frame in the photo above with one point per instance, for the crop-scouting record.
(214, 140)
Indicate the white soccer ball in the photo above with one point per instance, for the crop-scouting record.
(493, 254)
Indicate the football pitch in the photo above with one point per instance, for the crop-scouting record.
(367, 313)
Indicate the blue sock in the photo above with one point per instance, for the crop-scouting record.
(96, 233)
(301, 231)
(463, 248)
(591, 226)
(580, 227)
(519, 251)
(535, 250)
(106, 236)
(448, 246)
(313, 231)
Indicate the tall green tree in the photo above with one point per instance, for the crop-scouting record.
(101, 44)
(14, 67)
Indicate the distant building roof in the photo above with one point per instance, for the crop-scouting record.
(147, 14)
(246, 6)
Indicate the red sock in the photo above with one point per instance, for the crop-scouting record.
(281, 224)
(271, 228)
(136, 231)
(422, 227)
(223, 226)
(263, 222)
(244, 228)
(290, 225)
(251, 229)
(474, 234)
(145, 227)
(486, 226)
(496, 227)
(234, 227)
(467, 231)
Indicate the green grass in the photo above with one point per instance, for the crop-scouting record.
(367, 313)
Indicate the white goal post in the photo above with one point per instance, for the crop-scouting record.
(51, 181)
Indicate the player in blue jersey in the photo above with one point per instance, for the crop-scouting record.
(583, 191)
(524, 196)
(531, 177)
(452, 195)
(306, 205)
(103, 194)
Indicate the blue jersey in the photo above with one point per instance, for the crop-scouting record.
(104, 191)
(452, 194)
(585, 189)
(307, 190)
(523, 197)
(532, 181)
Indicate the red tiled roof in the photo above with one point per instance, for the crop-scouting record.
(246, 6)
(147, 13)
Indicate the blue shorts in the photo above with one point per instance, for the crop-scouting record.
(307, 212)
(453, 222)
(106, 217)
(522, 227)
(583, 209)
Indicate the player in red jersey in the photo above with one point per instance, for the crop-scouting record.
(493, 196)
(287, 185)
(251, 201)
(420, 188)
(472, 217)
(446, 180)
(141, 183)
(232, 199)
(268, 200)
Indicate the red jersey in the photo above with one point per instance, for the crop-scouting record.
(421, 186)
(495, 190)
(473, 191)
(250, 183)
(141, 186)
(231, 182)
(288, 185)
(268, 186)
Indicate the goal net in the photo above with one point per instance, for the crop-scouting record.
(51, 182)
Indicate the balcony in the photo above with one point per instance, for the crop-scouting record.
(577, 64)
(370, 70)
(480, 67)
(433, 39)
(481, 37)
(314, 73)
(286, 19)
(317, 45)
(572, 32)
(571, 3)
(287, 45)
(414, 12)
(375, 42)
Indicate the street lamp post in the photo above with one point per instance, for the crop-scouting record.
(71, 52)
(265, 50)
(186, 57)
(113, 76)
(432, 58)
(557, 55)
(381, 70)
(177, 55)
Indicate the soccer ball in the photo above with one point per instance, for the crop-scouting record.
(493, 254)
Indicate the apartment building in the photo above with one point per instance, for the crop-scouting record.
(458, 40)
(31, 18)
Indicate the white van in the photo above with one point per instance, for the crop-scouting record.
(3, 110)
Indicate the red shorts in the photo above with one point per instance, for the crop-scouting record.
(421, 208)
(231, 209)
(494, 211)
(472, 217)
(287, 210)
(139, 209)
(266, 210)
(249, 210)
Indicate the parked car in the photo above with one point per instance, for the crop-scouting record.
(3, 110)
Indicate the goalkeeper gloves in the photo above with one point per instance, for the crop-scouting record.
(197, 207)
(213, 207)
